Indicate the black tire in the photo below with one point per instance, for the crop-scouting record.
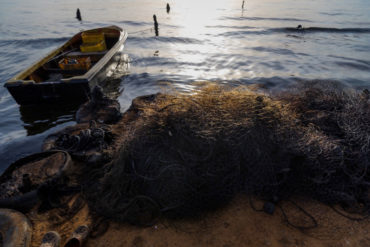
(26, 201)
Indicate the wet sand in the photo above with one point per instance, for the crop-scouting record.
(235, 225)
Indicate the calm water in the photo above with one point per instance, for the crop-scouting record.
(198, 39)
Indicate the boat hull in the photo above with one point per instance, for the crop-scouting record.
(74, 89)
(50, 92)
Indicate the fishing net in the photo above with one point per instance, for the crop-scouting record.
(88, 145)
(343, 118)
(99, 108)
(185, 154)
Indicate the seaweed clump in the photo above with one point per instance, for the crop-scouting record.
(184, 154)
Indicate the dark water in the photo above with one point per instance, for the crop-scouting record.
(198, 40)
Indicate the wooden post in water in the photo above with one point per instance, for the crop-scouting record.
(155, 25)
(243, 4)
(168, 8)
(78, 15)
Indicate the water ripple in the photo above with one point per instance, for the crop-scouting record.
(353, 65)
(265, 19)
(324, 30)
(32, 42)
(163, 39)
(135, 23)
(288, 30)
(280, 51)
(364, 62)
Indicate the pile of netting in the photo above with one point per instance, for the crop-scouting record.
(189, 153)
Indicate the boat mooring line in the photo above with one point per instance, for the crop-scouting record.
(141, 31)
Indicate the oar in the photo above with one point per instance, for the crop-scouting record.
(60, 55)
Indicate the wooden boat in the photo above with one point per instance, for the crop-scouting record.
(69, 72)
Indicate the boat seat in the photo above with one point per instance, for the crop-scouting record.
(65, 72)
(79, 54)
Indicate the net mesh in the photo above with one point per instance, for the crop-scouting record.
(185, 154)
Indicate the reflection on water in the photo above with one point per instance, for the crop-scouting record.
(198, 40)
(38, 119)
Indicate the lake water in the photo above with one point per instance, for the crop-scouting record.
(198, 40)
